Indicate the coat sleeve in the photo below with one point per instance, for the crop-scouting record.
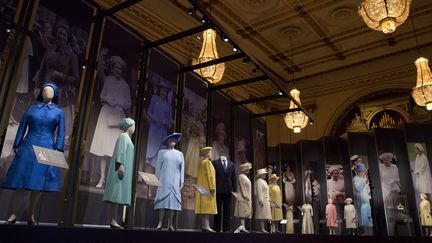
(211, 177)
(158, 164)
(260, 193)
(21, 130)
(120, 150)
(242, 187)
(233, 178)
(60, 132)
(181, 169)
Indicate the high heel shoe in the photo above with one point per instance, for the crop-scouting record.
(100, 184)
(112, 226)
(31, 222)
(158, 228)
(171, 228)
(13, 221)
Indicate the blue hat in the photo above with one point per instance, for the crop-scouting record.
(125, 123)
(55, 99)
(361, 167)
(176, 136)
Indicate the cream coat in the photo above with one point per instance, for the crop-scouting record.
(243, 209)
(425, 213)
(262, 195)
(350, 216)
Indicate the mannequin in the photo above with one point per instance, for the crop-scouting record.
(425, 215)
(422, 171)
(331, 216)
(350, 216)
(226, 183)
(262, 207)
(289, 218)
(170, 172)
(243, 209)
(276, 197)
(118, 190)
(307, 220)
(206, 205)
(25, 173)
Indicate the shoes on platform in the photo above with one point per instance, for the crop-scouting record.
(31, 222)
(171, 228)
(209, 230)
(113, 226)
(13, 221)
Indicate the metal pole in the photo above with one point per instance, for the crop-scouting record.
(77, 148)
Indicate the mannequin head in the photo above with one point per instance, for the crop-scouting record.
(131, 129)
(172, 140)
(127, 125)
(261, 173)
(423, 196)
(49, 92)
(273, 179)
(348, 201)
(206, 152)
(245, 168)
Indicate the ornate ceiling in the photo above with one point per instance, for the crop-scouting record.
(329, 38)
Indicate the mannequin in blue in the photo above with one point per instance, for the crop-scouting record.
(25, 173)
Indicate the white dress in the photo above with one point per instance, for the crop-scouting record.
(262, 195)
(423, 174)
(307, 220)
(243, 209)
(389, 183)
(117, 92)
(350, 216)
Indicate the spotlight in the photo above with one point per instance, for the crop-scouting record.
(235, 49)
(198, 37)
(246, 60)
(83, 67)
(256, 69)
(225, 38)
(311, 122)
(191, 11)
(280, 93)
(8, 30)
(204, 20)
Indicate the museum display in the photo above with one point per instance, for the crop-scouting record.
(350, 216)
(262, 199)
(331, 217)
(243, 205)
(307, 219)
(275, 203)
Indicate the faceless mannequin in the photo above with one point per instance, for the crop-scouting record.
(114, 207)
(262, 221)
(274, 223)
(171, 145)
(242, 227)
(47, 95)
(205, 218)
(425, 214)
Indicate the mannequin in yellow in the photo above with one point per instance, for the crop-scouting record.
(206, 204)
(276, 198)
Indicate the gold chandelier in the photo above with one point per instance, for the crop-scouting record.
(422, 92)
(295, 120)
(384, 15)
(213, 73)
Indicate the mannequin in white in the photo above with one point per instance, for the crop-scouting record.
(243, 208)
(307, 220)
(350, 216)
(425, 214)
(170, 172)
(262, 209)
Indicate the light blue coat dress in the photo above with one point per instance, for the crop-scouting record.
(170, 172)
(118, 190)
(362, 194)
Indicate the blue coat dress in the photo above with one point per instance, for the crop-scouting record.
(170, 172)
(25, 172)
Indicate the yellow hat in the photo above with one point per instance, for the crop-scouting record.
(274, 177)
(205, 150)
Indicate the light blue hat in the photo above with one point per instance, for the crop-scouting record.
(125, 123)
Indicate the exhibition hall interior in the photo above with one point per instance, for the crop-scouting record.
(215, 120)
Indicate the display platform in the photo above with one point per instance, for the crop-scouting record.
(25, 233)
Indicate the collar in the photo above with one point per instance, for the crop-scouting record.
(41, 104)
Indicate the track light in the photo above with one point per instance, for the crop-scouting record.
(311, 122)
(235, 49)
(246, 60)
(191, 11)
(225, 38)
(280, 93)
(256, 69)
(203, 20)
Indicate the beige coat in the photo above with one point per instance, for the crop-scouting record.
(425, 215)
(350, 216)
(262, 195)
(207, 179)
(243, 209)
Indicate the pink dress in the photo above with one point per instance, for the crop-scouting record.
(331, 215)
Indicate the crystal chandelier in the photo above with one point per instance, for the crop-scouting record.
(295, 120)
(208, 53)
(384, 15)
(422, 92)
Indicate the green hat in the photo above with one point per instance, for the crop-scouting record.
(125, 123)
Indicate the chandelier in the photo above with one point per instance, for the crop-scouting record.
(212, 73)
(422, 92)
(295, 120)
(384, 15)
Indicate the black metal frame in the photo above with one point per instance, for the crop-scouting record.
(238, 83)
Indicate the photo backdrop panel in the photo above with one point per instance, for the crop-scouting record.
(113, 99)
(363, 145)
(7, 11)
(396, 183)
(194, 129)
(259, 142)
(313, 180)
(416, 136)
(221, 126)
(158, 121)
(55, 54)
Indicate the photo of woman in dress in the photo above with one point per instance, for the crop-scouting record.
(116, 102)
(288, 179)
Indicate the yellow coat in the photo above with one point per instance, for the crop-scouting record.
(207, 179)
(276, 197)
(425, 215)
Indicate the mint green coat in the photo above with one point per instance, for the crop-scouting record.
(118, 190)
